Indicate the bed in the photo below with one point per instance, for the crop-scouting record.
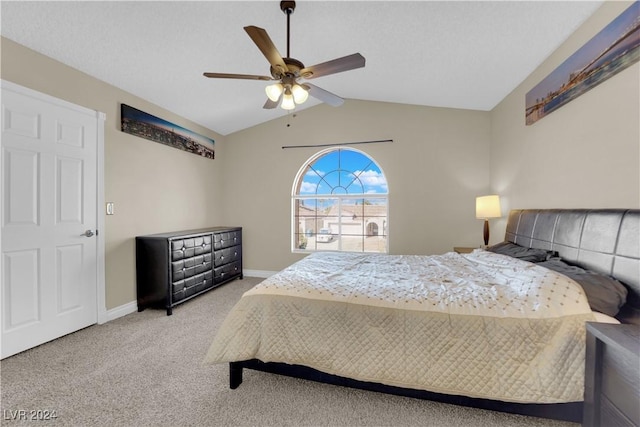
(501, 329)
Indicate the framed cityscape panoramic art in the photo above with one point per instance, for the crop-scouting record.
(610, 51)
(145, 125)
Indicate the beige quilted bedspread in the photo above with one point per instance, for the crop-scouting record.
(479, 325)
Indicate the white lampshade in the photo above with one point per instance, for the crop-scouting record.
(274, 91)
(287, 101)
(299, 94)
(488, 207)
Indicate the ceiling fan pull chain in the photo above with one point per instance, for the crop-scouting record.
(289, 117)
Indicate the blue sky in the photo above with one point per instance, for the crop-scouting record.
(344, 172)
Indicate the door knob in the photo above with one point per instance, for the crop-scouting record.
(88, 233)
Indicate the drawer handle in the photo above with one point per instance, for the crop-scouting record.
(235, 254)
(222, 257)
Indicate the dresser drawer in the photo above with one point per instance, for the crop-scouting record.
(227, 271)
(189, 267)
(187, 248)
(226, 239)
(192, 285)
(619, 376)
(610, 415)
(227, 255)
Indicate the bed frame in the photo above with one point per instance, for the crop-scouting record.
(604, 240)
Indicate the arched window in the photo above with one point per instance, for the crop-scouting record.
(340, 203)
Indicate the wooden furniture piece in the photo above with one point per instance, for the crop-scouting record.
(612, 375)
(463, 249)
(172, 268)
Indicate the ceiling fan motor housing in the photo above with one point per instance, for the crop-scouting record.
(288, 7)
(294, 66)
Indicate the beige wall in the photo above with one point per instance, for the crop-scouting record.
(155, 188)
(435, 167)
(584, 154)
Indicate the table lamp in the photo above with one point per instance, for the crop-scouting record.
(487, 207)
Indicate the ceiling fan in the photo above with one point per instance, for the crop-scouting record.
(289, 91)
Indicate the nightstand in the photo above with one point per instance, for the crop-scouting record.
(612, 375)
(463, 250)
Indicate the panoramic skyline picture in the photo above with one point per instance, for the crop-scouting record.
(610, 51)
(145, 125)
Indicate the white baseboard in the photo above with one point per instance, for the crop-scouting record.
(258, 273)
(132, 307)
(123, 310)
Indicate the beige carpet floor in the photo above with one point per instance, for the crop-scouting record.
(146, 369)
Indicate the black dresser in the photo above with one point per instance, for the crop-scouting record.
(612, 376)
(172, 268)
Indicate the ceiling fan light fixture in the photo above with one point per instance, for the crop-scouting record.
(274, 91)
(300, 95)
(287, 101)
(287, 92)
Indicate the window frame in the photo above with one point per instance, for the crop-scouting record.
(295, 197)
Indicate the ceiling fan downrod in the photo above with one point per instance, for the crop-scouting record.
(288, 7)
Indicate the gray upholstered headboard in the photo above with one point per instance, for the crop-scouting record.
(603, 240)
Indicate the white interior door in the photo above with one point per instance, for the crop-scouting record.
(49, 219)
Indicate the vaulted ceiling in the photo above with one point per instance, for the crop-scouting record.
(456, 54)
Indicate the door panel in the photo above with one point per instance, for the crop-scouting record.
(49, 197)
(69, 262)
(69, 191)
(70, 134)
(21, 188)
(21, 122)
(22, 297)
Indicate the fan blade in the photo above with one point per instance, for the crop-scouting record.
(270, 104)
(324, 95)
(266, 46)
(339, 65)
(236, 76)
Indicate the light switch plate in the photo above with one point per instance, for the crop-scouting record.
(110, 208)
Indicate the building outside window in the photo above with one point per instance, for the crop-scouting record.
(340, 203)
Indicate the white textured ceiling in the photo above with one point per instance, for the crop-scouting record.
(458, 54)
